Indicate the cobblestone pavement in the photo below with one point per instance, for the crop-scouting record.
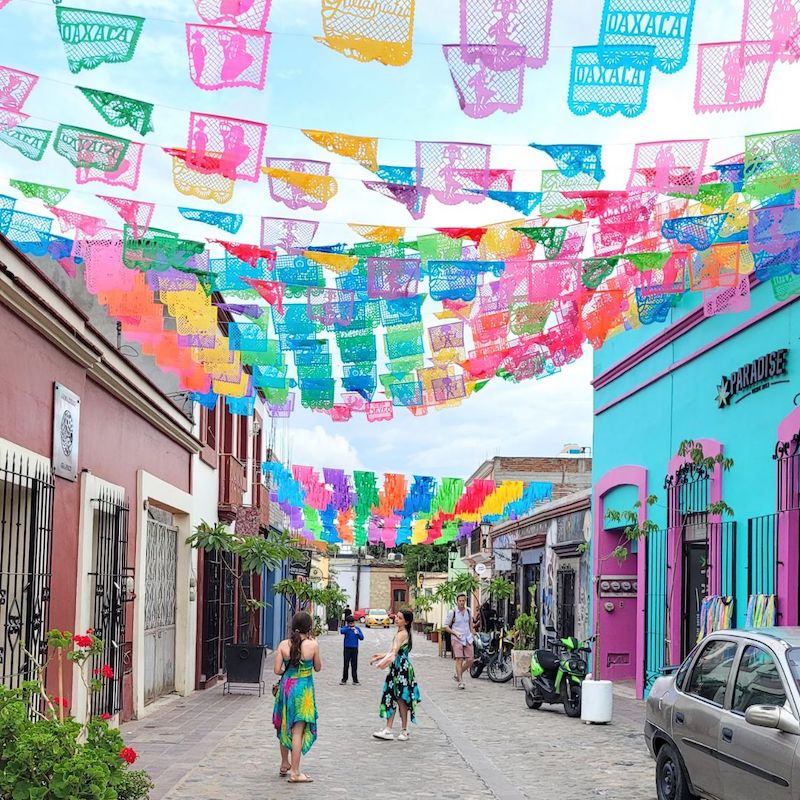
(479, 743)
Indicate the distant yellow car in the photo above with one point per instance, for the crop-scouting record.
(378, 617)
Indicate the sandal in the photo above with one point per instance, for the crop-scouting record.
(283, 772)
(301, 778)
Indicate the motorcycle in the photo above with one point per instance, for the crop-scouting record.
(492, 653)
(557, 679)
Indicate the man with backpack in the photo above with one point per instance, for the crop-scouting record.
(462, 630)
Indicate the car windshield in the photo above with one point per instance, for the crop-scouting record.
(793, 657)
(377, 612)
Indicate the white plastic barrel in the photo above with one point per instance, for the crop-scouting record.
(597, 701)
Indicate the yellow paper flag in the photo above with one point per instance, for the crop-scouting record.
(382, 234)
(362, 149)
(335, 262)
(369, 30)
(320, 187)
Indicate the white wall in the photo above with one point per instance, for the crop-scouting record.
(346, 570)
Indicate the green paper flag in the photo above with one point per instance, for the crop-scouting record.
(92, 38)
(120, 111)
(86, 148)
(158, 250)
(31, 142)
(552, 239)
(49, 195)
(645, 262)
(596, 270)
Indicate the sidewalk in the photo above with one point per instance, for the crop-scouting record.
(479, 743)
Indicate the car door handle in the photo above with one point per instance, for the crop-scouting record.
(727, 735)
(679, 717)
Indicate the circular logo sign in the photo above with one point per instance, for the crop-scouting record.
(67, 433)
(480, 569)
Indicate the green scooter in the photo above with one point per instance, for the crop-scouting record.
(555, 679)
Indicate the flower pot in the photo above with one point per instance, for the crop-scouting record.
(333, 624)
(244, 663)
(521, 662)
(434, 636)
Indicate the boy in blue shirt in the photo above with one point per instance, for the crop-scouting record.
(352, 636)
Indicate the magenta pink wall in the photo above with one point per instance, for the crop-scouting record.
(788, 546)
(622, 630)
(115, 443)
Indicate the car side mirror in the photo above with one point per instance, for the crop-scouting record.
(772, 717)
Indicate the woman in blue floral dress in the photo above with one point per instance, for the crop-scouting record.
(400, 691)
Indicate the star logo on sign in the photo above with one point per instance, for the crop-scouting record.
(724, 393)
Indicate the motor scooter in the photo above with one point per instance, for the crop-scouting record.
(557, 678)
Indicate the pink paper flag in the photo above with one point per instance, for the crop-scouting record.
(669, 167)
(225, 146)
(15, 86)
(127, 174)
(251, 14)
(288, 234)
(221, 58)
(447, 169)
(732, 76)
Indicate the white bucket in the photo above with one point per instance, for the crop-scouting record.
(597, 701)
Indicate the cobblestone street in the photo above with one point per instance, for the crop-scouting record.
(479, 743)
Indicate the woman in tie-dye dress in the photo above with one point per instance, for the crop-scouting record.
(295, 712)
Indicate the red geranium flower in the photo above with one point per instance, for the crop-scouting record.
(105, 716)
(82, 641)
(61, 701)
(106, 671)
(128, 754)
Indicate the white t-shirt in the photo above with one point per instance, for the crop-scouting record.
(459, 622)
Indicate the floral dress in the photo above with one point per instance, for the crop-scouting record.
(400, 685)
(295, 702)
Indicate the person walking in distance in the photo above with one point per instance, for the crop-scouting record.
(460, 626)
(400, 689)
(295, 713)
(352, 636)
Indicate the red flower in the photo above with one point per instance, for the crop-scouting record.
(61, 701)
(105, 716)
(128, 754)
(90, 630)
(82, 641)
(106, 671)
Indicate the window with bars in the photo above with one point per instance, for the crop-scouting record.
(787, 458)
(26, 533)
(108, 584)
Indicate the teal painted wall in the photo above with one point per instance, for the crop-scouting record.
(646, 429)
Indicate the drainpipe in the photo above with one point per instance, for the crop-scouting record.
(358, 577)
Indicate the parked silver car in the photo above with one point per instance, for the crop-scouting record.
(726, 725)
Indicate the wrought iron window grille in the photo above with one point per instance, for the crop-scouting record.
(26, 533)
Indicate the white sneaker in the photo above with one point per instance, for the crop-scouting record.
(402, 736)
(461, 685)
(386, 733)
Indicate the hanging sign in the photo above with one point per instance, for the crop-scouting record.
(300, 566)
(753, 377)
(66, 427)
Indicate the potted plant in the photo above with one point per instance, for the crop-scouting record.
(422, 607)
(335, 602)
(428, 628)
(525, 632)
(244, 661)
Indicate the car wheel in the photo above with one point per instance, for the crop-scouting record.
(671, 783)
(362, 620)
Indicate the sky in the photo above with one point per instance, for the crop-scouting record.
(311, 86)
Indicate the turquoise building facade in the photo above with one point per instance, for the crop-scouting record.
(730, 383)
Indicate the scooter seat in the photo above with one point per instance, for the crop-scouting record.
(548, 660)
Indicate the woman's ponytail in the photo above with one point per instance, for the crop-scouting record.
(301, 625)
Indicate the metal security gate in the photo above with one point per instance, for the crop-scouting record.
(219, 610)
(565, 602)
(108, 580)
(655, 611)
(159, 604)
(26, 533)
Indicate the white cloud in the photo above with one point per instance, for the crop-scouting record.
(315, 447)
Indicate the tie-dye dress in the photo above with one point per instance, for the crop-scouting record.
(400, 684)
(295, 702)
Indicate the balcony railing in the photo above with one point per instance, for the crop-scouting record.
(231, 481)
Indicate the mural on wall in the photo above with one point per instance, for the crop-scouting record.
(570, 529)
